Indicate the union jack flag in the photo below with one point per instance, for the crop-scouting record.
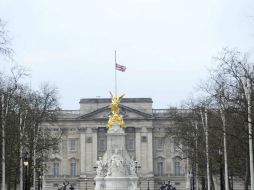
(120, 67)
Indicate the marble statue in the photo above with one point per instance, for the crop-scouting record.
(100, 167)
(116, 170)
(132, 167)
(115, 165)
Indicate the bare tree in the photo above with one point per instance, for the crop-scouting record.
(227, 110)
(219, 91)
(236, 66)
(22, 111)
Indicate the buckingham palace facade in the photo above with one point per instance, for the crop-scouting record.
(84, 140)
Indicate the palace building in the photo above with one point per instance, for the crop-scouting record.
(84, 140)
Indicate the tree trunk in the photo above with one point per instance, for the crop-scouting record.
(247, 175)
(3, 143)
(247, 92)
(225, 149)
(21, 168)
(250, 144)
(196, 156)
(212, 182)
(205, 125)
(203, 185)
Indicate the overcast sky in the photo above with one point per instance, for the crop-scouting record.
(166, 45)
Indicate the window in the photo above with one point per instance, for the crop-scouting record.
(159, 143)
(73, 167)
(177, 168)
(130, 130)
(143, 139)
(89, 140)
(56, 169)
(130, 138)
(130, 143)
(72, 145)
(102, 144)
(160, 168)
(102, 130)
(101, 140)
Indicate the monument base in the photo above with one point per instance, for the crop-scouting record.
(116, 170)
(116, 183)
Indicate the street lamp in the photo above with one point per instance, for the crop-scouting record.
(136, 171)
(40, 179)
(148, 188)
(221, 170)
(231, 179)
(86, 183)
(191, 180)
(26, 169)
(25, 163)
(40, 182)
(137, 167)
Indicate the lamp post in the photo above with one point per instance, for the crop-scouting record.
(148, 188)
(191, 180)
(137, 167)
(39, 179)
(136, 171)
(26, 170)
(86, 183)
(231, 179)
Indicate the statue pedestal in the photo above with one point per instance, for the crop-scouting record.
(116, 170)
(121, 183)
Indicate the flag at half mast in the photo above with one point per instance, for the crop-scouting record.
(120, 67)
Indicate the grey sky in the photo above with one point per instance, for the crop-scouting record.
(165, 44)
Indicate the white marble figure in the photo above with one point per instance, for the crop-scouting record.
(101, 186)
(115, 165)
(132, 185)
(116, 170)
(132, 167)
(100, 167)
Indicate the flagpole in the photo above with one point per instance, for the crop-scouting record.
(115, 76)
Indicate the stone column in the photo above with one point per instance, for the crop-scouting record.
(82, 154)
(94, 144)
(138, 145)
(144, 150)
(90, 150)
(150, 151)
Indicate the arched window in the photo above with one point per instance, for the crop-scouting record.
(73, 167)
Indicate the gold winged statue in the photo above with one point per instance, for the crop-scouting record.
(115, 117)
